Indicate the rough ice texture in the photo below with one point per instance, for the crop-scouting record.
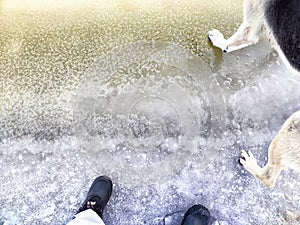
(134, 91)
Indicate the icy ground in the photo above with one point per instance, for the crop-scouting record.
(136, 92)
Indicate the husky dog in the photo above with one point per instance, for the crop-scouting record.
(282, 20)
(284, 152)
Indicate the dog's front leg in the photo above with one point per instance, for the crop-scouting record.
(267, 175)
(247, 33)
(270, 174)
(238, 40)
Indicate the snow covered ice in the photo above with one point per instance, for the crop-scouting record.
(133, 90)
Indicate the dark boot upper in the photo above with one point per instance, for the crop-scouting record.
(197, 215)
(98, 195)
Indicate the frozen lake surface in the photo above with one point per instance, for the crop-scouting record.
(133, 90)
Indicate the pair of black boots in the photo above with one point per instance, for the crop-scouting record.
(100, 192)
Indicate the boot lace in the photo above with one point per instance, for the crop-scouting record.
(93, 204)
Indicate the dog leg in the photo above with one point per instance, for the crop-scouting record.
(283, 152)
(248, 32)
(238, 40)
(266, 175)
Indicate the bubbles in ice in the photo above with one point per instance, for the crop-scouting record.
(144, 114)
(172, 97)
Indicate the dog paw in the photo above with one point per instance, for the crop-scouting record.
(215, 35)
(248, 161)
(217, 39)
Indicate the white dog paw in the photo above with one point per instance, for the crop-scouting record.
(215, 36)
(248, 161)
(217, 39)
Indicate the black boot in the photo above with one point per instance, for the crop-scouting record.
(98, 195)
(197, 215)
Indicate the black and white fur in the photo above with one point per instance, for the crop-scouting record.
(282, 20)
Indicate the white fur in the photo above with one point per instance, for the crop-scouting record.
(248, 32)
